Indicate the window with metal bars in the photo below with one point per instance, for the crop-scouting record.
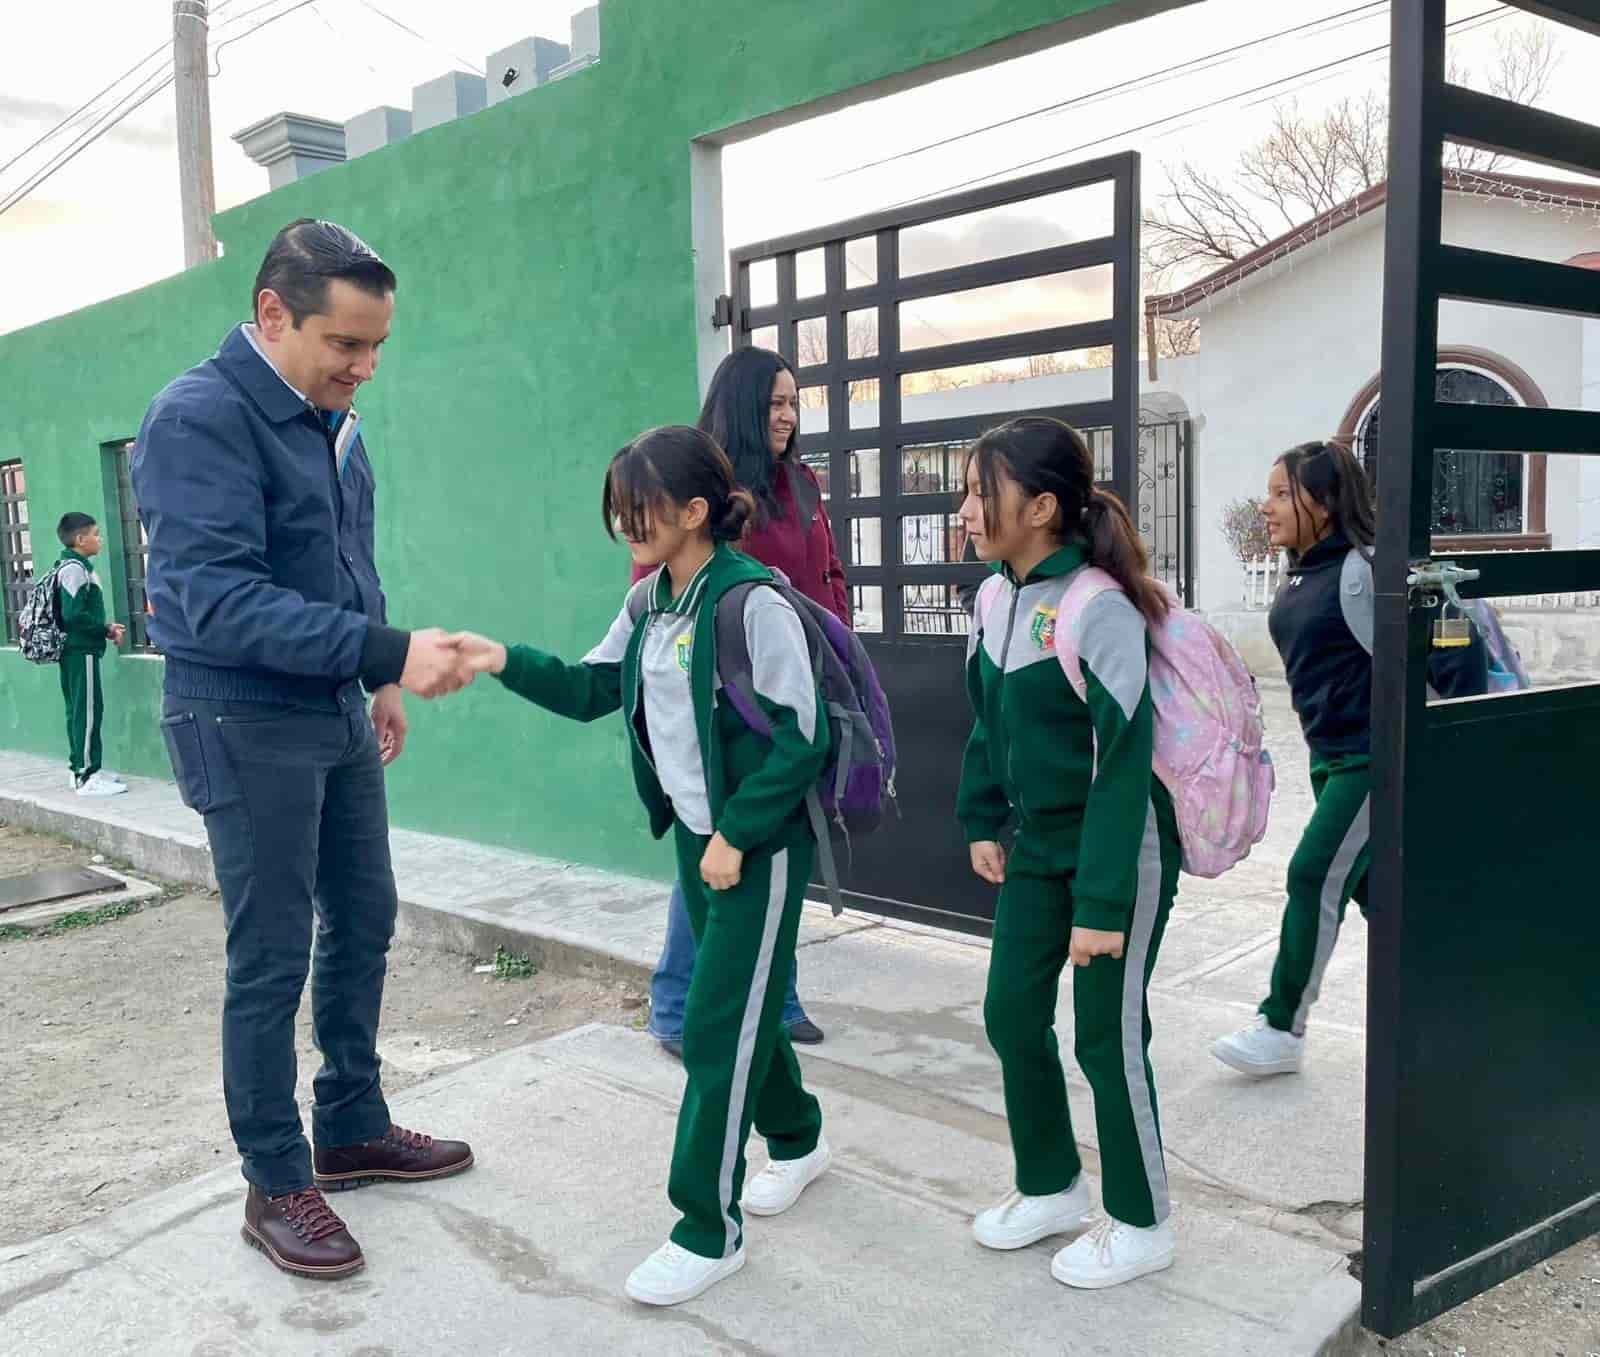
(16, 546)
(135, 550)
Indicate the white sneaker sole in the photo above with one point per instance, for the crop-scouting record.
(777, 1207)
(1256, 1069)
(102, 792)
(1069, 1221)
(1099, 1280)
(725, 1267)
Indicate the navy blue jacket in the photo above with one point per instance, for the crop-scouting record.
(262, 578)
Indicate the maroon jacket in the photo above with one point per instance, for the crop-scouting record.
(805, 553)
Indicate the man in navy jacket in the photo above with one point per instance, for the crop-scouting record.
(257, 497)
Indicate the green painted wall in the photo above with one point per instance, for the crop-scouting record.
(546, 313)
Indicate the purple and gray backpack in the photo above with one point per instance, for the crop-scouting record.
(857, 781)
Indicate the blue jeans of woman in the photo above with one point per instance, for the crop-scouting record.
(669, 986)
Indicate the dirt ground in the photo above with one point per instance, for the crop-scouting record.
(110, 1067)
(1552, 1310)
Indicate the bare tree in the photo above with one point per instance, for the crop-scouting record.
(1308, 165)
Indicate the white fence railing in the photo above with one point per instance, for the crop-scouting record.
(1264, 576)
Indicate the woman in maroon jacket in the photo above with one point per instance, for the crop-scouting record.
(753, 411)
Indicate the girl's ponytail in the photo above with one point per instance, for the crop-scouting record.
(1116, 547)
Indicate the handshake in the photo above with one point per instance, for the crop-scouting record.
(440, 662)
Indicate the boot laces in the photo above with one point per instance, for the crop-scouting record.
(309, 1214)
(414, 1141)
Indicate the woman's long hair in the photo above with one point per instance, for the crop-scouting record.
(738, 412)
(1046, 456)
(1329, 475)
(665, 468)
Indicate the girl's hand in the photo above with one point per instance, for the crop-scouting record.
(989, 861)
(722, 865)
(479, 654)
(1088, 943)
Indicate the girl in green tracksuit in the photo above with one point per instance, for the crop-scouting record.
(1093, 869)
(734, 804)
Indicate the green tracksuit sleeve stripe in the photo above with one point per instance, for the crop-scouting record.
(786, 690)
(582, 692)
(981, 803)
(1114, 654)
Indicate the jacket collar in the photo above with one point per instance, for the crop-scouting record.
(723, 569)
(258, 379)
(1326, 552)
(1063, 561)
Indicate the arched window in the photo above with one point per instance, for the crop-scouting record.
(1474, 493)
(1480, 501)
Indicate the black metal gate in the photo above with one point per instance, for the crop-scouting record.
(1483, 1109)
(913, 331)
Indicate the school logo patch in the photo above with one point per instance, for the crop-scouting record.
(1043, 627)
(683, 652)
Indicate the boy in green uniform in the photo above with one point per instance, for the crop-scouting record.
(83, 619)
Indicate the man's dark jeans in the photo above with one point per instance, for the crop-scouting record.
(295, 810)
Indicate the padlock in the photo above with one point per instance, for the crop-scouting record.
(1451, 633)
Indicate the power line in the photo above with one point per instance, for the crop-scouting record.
(87, 139)
(1498, 12)
(216, 52)
(62, 126)
(133, 101)
(1227, 53)
(406, 28)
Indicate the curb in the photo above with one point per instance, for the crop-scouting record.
(185, 859)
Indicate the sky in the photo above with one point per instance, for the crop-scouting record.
(109, 221)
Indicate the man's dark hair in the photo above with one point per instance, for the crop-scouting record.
(70, 526)
(306, 255)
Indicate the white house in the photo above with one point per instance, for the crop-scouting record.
(1289, 351)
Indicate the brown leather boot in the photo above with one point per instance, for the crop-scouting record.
(401, 1156)
(301, 1234)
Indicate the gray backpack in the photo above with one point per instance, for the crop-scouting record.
(39, 626)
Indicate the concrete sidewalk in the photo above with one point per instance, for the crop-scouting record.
(1266, 1178)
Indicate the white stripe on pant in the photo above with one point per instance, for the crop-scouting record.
(777, 891)
(1146, 909)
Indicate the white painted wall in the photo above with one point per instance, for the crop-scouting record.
(1283, 354)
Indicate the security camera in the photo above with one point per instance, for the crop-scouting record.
(510, 77)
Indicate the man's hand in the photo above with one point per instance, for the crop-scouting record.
(433, 665)
(722, 865)
(479, 654)
(989, 861)
(1088, 943)
(115, 631)
(389, 720)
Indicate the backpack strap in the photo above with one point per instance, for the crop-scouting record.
(639, 595)
(736, 671)
(1086, 585)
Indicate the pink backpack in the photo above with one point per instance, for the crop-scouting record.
(1209, 734)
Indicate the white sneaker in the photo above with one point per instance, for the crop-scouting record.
(1113, 1253)
(672, 1275)
(1261, 1049)
(778, 1186)
(99, 786)
(111, 778)
(1020, 1220)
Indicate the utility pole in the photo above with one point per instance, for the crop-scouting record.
(191, 78)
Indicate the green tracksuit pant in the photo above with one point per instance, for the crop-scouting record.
(1111, 1022)
(1328, 870)
(86, 709)
(740, 1064)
